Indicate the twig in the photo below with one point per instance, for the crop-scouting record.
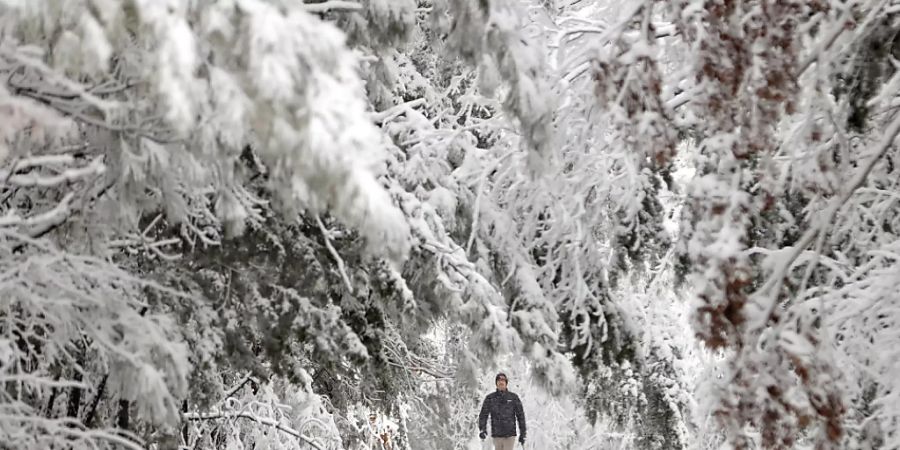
(683, 98)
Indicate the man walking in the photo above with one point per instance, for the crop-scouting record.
(505, 410)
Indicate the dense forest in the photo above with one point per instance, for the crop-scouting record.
(250, 224)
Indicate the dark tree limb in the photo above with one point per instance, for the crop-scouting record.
(53, 394)
(89, 417)
(122, 416)
(74, 404)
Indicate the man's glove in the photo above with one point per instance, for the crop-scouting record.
(482, 435)
(522, 440)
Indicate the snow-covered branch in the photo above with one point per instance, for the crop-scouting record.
(393, 112)
(225, 415)
(326, 236)
(769, 291)
(332, 5)
(34, 179)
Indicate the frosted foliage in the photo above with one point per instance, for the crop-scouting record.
(292, 95)
(308, 98)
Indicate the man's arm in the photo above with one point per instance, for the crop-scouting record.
(483, 416)
(520, 417)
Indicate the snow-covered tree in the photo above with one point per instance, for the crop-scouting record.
(238, 223)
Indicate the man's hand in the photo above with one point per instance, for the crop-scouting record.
(522, 440)
(482, 435)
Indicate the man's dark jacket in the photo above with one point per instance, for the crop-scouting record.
(505, 410)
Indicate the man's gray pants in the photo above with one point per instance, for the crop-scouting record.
(507, 443)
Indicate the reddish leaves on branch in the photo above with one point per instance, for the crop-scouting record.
(747, 59)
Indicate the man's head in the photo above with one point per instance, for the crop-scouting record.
(501, 381)
(372, 417)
